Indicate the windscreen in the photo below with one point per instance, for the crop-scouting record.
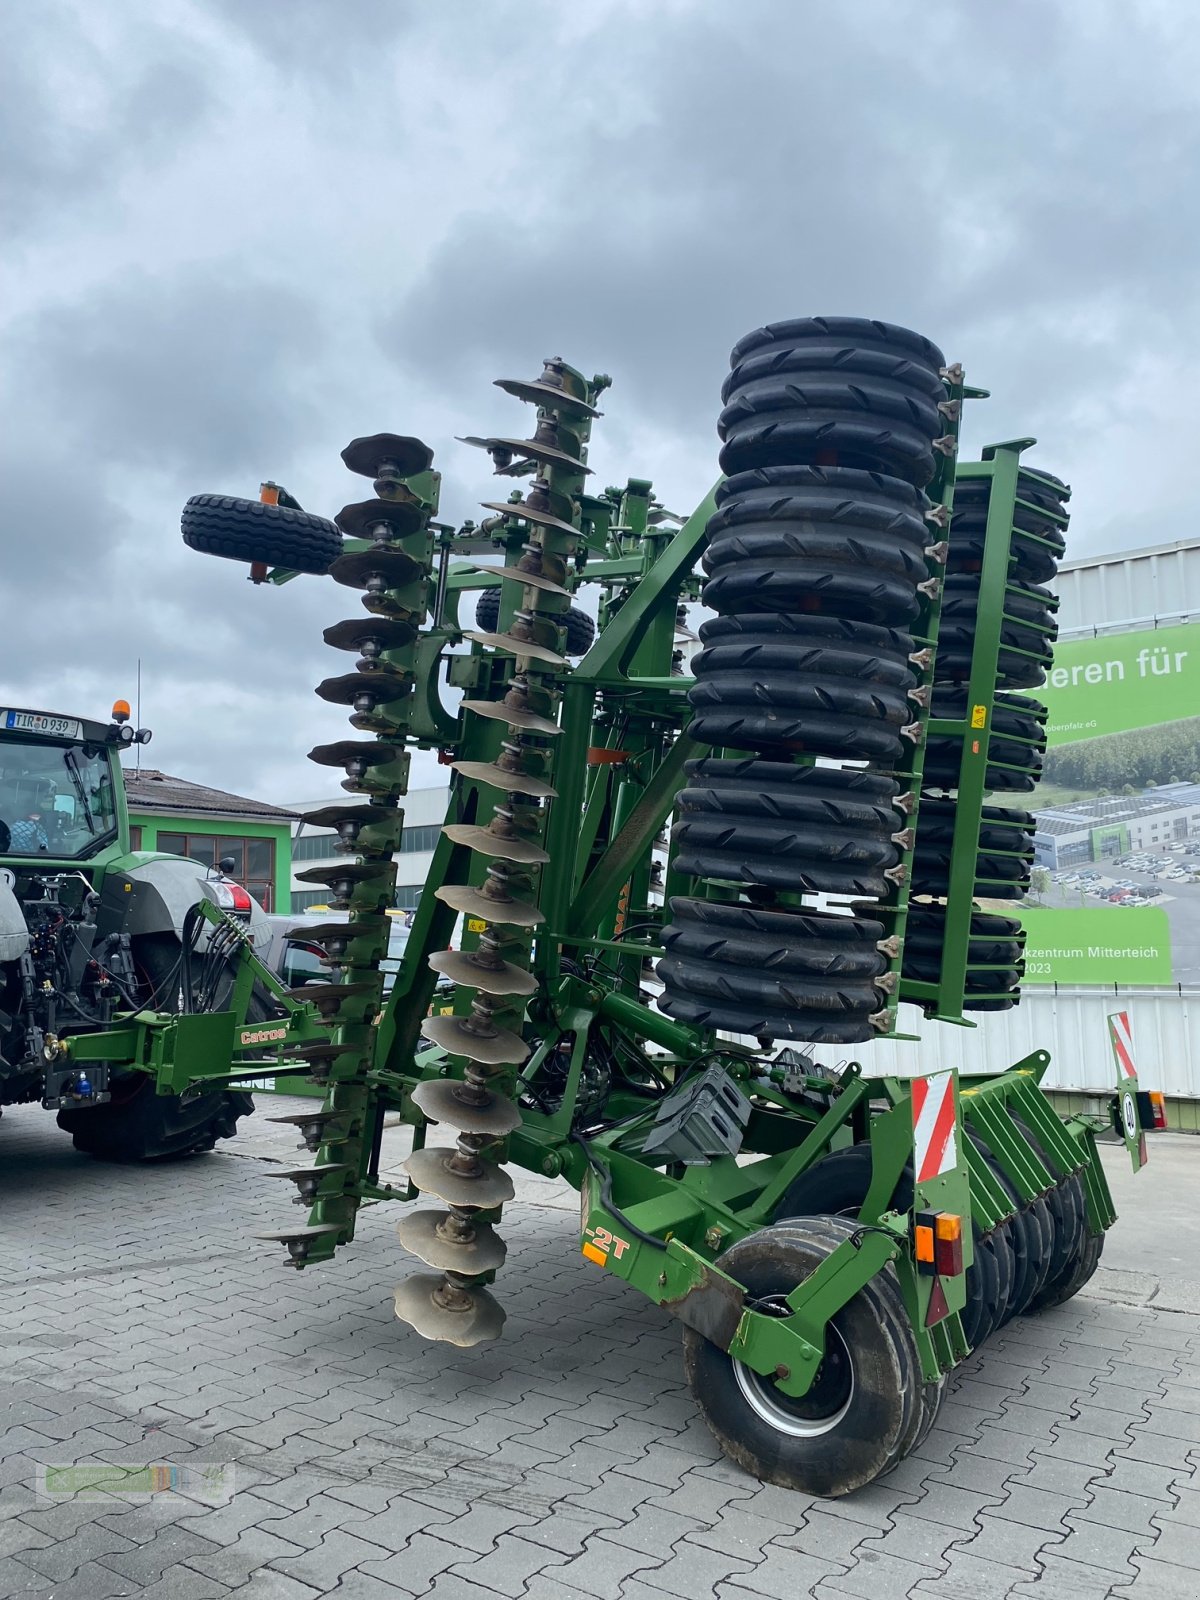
(55, 800)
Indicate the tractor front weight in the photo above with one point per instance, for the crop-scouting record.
(672, 866)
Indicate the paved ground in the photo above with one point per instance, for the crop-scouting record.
(140, 1323)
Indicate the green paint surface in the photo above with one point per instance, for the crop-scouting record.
(1102, 946)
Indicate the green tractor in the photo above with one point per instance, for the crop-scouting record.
(667, 881)
(90, 929)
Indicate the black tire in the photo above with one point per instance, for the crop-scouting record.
(828, 437)
(837, 1185)
(777, 790)
(835, 697)
(1001, 827)
(800, 540)
(799, 651)
(848, 340)
(1079, 1271)
(841, 634)
(139, 1125)
(253, 531)
(922, 1400)
(788, 841)
(743, 986)
(862, 1398)
(813, 587)
(700, 857)
(1024, 1235)
(983, 1283)
(814, 735)
(833, 495)
(1066, 1224)
(755, 394)
(581, 628)
(814, 1027)
(807, 944)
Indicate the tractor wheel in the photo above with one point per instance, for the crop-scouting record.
(792, 583)
(139, 1125)
(860, 1406)
(253, 531)
(581, 629)
(785, 438)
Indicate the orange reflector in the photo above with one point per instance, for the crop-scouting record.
(948, 1226)
(924, 1243)
(269, 494)
(598, 1258)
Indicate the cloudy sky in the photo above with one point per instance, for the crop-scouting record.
(240, 232)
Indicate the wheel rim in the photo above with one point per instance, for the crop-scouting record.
(827, 1400)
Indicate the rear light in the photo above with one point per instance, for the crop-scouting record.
(937, 1243)
(1152, 1108)
(231, 897)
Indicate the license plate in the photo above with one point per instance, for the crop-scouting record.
(32, 722)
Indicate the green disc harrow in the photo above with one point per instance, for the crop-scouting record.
(671, 866)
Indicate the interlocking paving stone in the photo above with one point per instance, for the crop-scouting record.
(566, 1462)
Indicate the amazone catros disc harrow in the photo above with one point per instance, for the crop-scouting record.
(663, 879)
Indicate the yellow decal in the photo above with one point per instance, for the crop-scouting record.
(979, 716)
(475, 924)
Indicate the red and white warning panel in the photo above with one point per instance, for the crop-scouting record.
(934, 1119)
(1122, 1042)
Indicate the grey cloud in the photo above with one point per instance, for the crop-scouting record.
(631, 186)
(76, 118)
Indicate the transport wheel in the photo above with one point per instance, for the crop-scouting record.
(922, 1400)
(139, 1125)
(794, 583)
(786, 944)
(844, 1431)
(581, 628)
(253, 531)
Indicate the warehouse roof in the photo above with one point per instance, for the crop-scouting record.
(151, 790)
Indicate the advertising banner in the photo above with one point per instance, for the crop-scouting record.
(1116, 885)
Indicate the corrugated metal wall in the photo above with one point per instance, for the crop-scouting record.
(1142, 589)
(1072, 1025)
